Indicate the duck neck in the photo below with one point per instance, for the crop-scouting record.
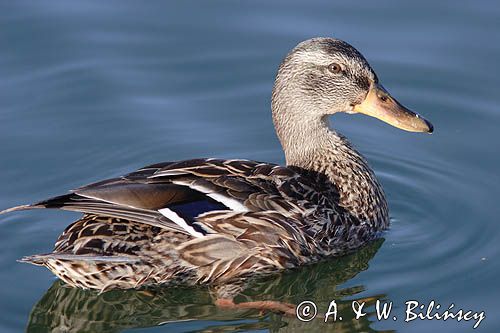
(308, 143)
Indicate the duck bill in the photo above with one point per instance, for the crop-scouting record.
(381, 105)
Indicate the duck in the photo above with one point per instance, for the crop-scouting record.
(215, 221)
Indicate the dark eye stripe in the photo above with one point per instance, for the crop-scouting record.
(361, 81)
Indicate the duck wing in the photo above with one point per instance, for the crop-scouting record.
(174, 194)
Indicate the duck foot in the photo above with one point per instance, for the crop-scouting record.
(273, 306)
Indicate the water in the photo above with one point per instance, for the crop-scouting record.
(95, 89)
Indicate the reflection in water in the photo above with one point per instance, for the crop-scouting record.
(64, 309)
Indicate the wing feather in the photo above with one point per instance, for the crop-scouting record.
(219, 186)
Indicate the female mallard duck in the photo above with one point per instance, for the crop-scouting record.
(216, 221)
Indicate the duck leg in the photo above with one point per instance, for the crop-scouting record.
(273, 306)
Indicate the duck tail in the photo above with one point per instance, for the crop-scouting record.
(38, 260)
(14, 209)
(55, 202)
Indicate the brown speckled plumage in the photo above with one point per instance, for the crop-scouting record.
(217, 221)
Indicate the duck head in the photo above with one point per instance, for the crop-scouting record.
(323, 76)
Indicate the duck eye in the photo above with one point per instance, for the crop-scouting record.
(334, 68)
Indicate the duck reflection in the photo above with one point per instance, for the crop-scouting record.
(65, 309)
